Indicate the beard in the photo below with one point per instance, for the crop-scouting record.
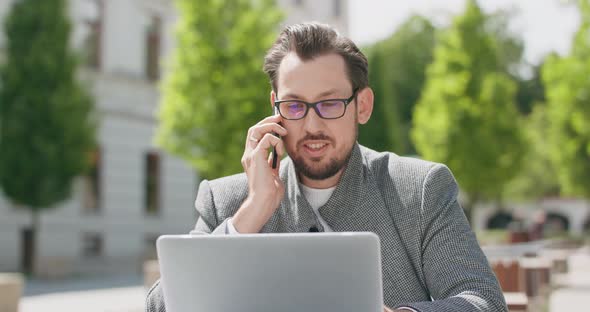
(334, 164)
(313, 169)
(327, 171)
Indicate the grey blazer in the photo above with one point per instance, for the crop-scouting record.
(431, 260)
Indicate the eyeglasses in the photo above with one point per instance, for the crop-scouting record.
(326, 109)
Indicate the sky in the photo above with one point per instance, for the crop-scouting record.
(544, 25)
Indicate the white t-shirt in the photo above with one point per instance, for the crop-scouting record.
(316, 199)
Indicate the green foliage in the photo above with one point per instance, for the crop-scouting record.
(382, 132)
(510, 47)
(536, 179)
(397, 69)
(567, 81)
(466, 116)
(46, 124)
(530, 91)
(216, 89)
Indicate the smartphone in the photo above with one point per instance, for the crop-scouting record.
(274, 150)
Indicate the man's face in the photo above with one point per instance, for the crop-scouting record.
(319, 148)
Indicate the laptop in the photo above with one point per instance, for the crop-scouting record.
(271, 272)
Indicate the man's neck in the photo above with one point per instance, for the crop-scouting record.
(322, 184)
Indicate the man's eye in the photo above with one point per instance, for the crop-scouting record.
(330, 104)
(295, 106)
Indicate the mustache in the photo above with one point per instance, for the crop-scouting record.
(318, 136)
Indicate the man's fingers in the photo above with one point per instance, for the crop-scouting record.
(268, 141)
(251, 142)
(262, 136)
(258, 131)
(273, 118)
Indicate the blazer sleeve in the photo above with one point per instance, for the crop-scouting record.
(207, 223)
(154, 301)
(456, 271)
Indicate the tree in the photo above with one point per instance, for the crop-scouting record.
(530, 89)
(536, 178)
(216, 89)
(567, 82)
(466, 116)
(509, 47)
(383, 131)
(46, 123)
(397, 70)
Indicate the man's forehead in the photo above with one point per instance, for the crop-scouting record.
(321, 76)
(333, 92)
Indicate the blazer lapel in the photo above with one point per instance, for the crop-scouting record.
(294, 213)
(357, 205)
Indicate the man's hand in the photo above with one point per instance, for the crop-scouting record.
(265, 188)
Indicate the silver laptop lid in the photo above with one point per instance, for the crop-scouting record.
(271, 272)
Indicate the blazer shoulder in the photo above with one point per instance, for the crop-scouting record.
(235, 180)
(399, 168)
(403, 181)
(227, 193)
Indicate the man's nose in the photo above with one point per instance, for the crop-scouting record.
(313, 122)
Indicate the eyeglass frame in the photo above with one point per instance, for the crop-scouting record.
(315, 108)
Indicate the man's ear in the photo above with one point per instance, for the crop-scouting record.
(273, 96)
(364, 100)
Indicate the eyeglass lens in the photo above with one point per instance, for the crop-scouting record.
(326, 109)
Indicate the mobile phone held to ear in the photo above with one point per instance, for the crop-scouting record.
(274, 149)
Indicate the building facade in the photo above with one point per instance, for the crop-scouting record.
(565, 215)
(135, 191)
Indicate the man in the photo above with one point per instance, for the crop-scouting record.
(430, 257)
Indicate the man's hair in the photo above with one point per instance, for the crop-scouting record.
(310, 40)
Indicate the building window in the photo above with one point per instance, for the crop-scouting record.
(337, 8)
(92, 245)
(152, 183)
(93, 42)
(92, 192)
(152, 48)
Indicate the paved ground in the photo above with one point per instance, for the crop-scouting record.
(575, 294)
(125, 293)
(111, 293)
(126, 299)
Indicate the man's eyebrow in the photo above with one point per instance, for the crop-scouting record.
(292, 96)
